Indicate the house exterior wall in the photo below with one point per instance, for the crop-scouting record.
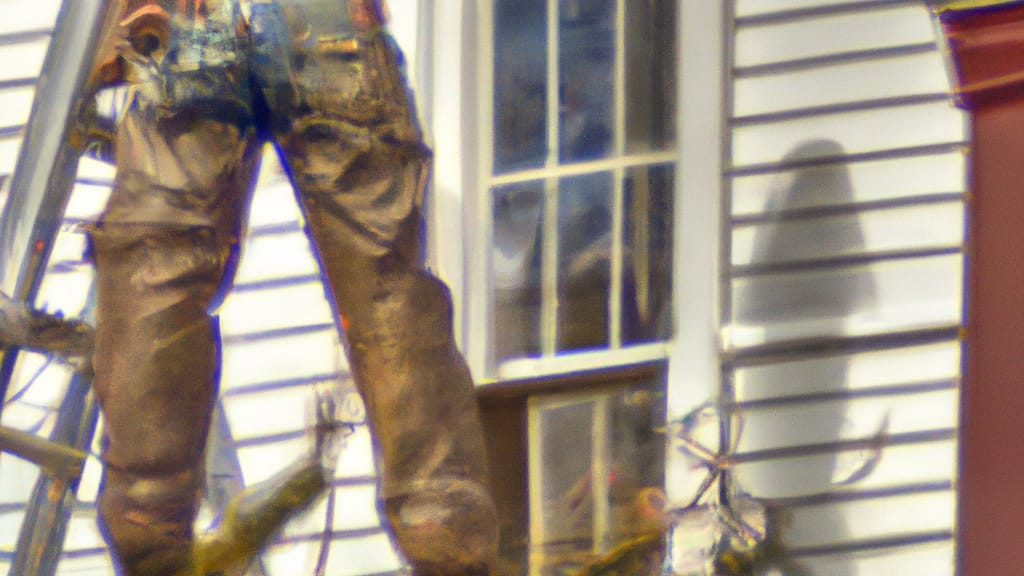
(837, 108)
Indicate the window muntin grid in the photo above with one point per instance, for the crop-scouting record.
(583, 133)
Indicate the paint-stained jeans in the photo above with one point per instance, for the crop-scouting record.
(211, 84)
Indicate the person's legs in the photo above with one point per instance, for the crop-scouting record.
(156, 367)
(162, 250)
(357, 157)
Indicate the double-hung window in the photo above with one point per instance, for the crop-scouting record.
(578, 170)
(569, 263)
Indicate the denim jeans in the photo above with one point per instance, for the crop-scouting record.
(212, 82)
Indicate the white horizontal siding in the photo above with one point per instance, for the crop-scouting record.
(846, 180)
(831, 34)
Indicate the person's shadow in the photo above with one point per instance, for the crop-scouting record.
(790, 304)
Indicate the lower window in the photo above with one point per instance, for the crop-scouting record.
(578, 470)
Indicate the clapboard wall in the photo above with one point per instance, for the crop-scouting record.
(845, 184)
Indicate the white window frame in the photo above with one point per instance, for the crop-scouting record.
(461, 98)
(694, 364)
(460, 94)
(461, 111)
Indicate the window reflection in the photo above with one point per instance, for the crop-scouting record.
(520, 76)
(601, 474)
(586, 80)
(584, 261)
(586, 64)
(650, 62)
(647, 270)
(516, 268)
(612, 70)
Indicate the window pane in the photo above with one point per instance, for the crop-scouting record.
(566, 462)
(586, 67)
(583, 269)
(601, 474)
(647, 269)
(584, 261)
(520, 77)
(650, 75)
(518, 213)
